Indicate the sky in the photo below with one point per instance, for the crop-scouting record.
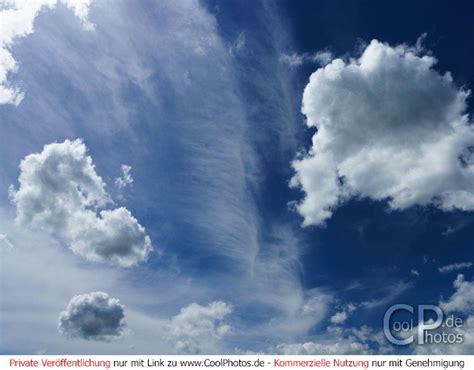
(232, 177)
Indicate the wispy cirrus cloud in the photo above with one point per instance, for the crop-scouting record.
(295, 60)
(454, 267)
(170, 92)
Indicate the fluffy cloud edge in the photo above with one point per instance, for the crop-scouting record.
(92, 316)
(383, 120)
(61, 193)
(17, 21)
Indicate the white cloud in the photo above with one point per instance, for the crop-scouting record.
(41, 276)
(464, 348)
(339, 341)
(60, 192)
(461, 303)
(454, 267)
(17, 21)
(304, 311)
(390, 127)
(125, 179)
(463, 298)
(207, 142)
(92, 316)
(343, 315)
(197, 329)
(80, 9)
(339, 317)
(295, 60)
(114, 237)
(415, 272)
(343, 346)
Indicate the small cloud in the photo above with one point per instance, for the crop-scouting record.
(454, 267)
(339, 317)
(93, 316)
(295, 60)
(125, 178)
(414, 272)
(451, 229)
(238, 45)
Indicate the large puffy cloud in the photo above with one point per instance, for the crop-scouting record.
(60, 192)
(196, 329)
(389, 127)
(16, 21)
(92, 316)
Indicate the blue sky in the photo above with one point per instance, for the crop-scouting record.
(267, 212)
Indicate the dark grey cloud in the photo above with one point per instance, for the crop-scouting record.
(92, 316)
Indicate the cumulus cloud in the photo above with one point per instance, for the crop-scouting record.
(125, 178)
(389, 127)
(346, 347)
(461, 303)
(454, 267)
(17, 21)
(338, 341)
(339, 317)
(80, 9)
(464, 348)
(92, 316)
(463, 298)
(343, 315)
(196, 329)
(60, 192)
